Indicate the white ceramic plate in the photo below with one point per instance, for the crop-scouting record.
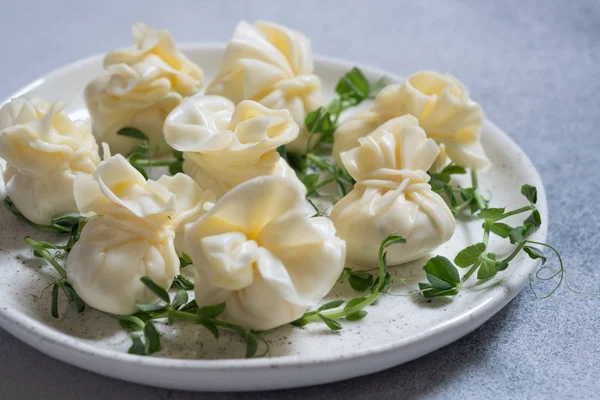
(397, 329)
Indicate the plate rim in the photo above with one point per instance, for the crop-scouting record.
(36, 333)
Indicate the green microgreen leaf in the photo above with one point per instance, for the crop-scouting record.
(151, 307)
(212, 328)
(331, 304)
(310, 181)
(360, 281)
(180, 299)
(190, 307)
(320, 121)
(530, 193)
(181, 282)
(449, 191)
(501, 266)
(251, 345)
(54, 308)
(132, 133)
(486, 270)
(74, 297)
(469, 196)
(352, 89)
(353, 85)
(392, 239)
(535, 253)
(438, 180)
(211, 311)
(357, 315)
(282, 152)
(143, 316)
(534, 219)
(159, 291)
(331, 323)
(300, 322)
(470, 255)
(131, 322)
(453, 169)
(296, 161)
(501, 229)
(75, 233)
(184, 260)
(152, 338)
(332, 174)
(441, 273)
(429, 291)
(65, 221)
(354, 302)
(491, 213)
(520, 233)
(177, 166)
(137, 347)
(141, 151)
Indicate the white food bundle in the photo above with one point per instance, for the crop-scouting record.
(130, 234)
(392, 196)
(224, 145)
(258, 252)
(144, 83)
(445, 112)
(273, 65)
(44, 150)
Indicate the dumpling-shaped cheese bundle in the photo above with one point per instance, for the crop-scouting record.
(131, 234)
(144, 83)
(392, 195)
(44, 151)
(444, 110)
(273, 65)
(224, 145)
(258, 252)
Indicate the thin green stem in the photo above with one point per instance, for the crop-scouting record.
(341, 313)
(561, 272)
(368, 300)
(45, 254)
(314, 206)
(154, 163)
(61, 228)
(479, 199)
(476, 194)
(318, 161)
(461, 207)
(193, 317)
(320, 185)
(312, 132)
(382, 269)
(474, 181)
(470, 272)
(515, 212)
(229, 326)
(486, 235)
(514, 253)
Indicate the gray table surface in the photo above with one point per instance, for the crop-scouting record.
(533, 65)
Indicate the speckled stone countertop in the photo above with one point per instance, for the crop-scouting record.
(533, 65)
